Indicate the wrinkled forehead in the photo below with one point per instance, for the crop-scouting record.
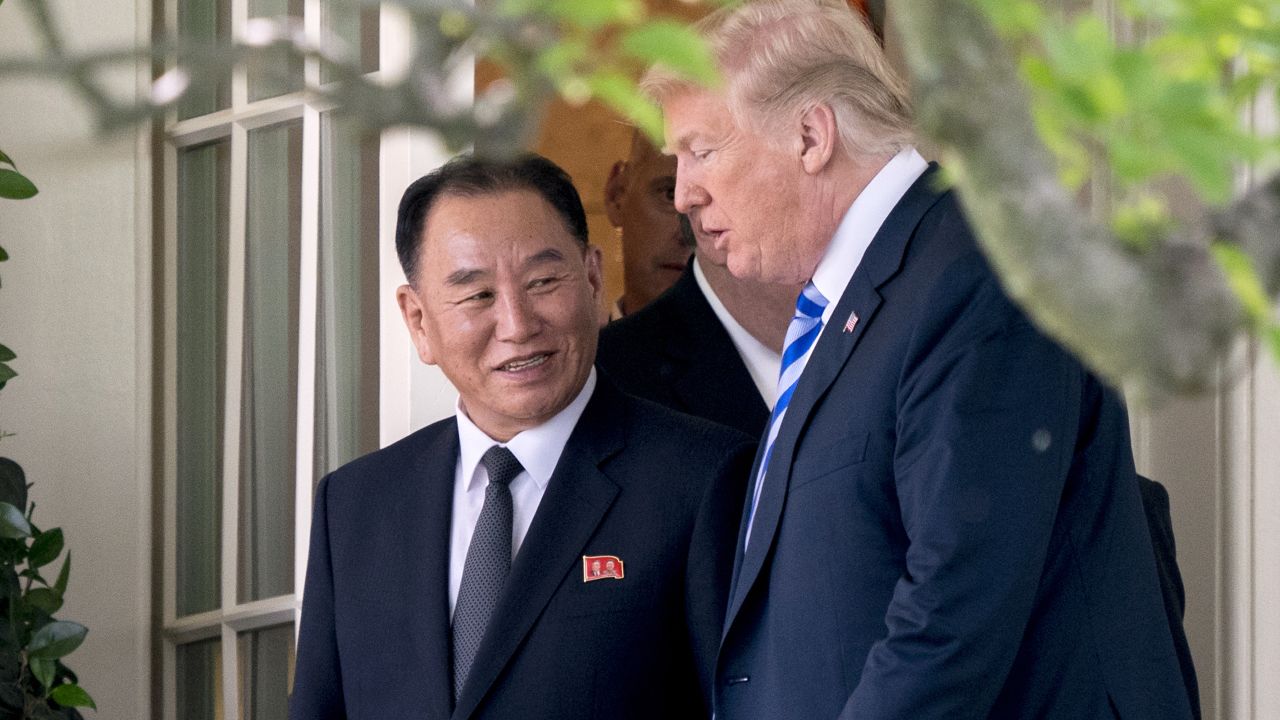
(695, 114)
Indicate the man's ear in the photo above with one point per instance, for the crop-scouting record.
(414, 314)
(595, 275)
(615, 188)
(819, 137)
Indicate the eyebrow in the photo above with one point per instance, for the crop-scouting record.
(465, 276)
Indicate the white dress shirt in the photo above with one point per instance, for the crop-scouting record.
(538, 450)
(859, 226)
(761, 361)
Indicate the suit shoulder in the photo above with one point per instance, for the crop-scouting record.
(637, 332)
(660, 426)
(392, 460)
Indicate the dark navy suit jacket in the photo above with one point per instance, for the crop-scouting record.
(660, 490)
(675, 352)
(951, 525)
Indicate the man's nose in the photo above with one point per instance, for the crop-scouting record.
(517, 320)
(689, 194)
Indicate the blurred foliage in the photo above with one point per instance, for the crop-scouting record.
(1160, 91)
(1167, 102)
(578, 49)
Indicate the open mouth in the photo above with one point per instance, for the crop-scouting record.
(528, 363)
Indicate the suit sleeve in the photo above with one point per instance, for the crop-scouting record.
(988, 414)
(317, 687)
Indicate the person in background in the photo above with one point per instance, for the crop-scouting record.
(656, 245)
(709, 346)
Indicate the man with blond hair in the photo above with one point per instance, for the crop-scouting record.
(943, 519)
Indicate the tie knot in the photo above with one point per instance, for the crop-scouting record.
(501, 464)
(811, 303)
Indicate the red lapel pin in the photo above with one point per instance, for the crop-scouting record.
(851, 323)
(599, 567)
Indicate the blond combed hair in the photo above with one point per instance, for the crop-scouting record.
(780, 58)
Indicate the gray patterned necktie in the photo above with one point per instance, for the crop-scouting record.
(487, 565)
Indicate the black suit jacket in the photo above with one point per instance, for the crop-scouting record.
(951, 525)
(658, 489)
(675, 352)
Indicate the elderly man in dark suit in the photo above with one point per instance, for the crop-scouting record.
(944, 519)
(556, 550)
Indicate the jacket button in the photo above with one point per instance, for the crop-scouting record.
(738, 680)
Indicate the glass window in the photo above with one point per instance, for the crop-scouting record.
(202, 24)
(199, 666)
(203, 198)
(346, 297)
(271, 275)
(268, 405)
(266, 672)
(280, 73)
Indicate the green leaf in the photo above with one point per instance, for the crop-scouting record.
(15, 186)
(46, 548)
(46, 599)
(3, 157)
(71, 695)
(1244, 281)
(3, 255)
(63, 575)
(6, 374)
(12, 523)
(13, 483)
(43, 669)
(586, 14)
(57, 639)
(621, 94)
(673, 45)
(1273, 340)
(6, 354)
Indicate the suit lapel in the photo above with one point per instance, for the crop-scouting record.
(861, 298)
(576, 500)
(429, 493)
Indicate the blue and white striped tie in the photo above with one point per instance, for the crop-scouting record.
(802, 333)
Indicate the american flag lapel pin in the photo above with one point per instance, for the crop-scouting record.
(851, 323)
(599, 567)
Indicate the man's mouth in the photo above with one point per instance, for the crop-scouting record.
(525, 363)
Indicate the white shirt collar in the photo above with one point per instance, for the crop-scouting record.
(538, 449)
(761, 360)
(861, 222)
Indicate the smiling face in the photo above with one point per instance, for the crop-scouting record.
(639, 201)
(504, 302)
(749, 198)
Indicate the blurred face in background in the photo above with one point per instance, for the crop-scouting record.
(639, 197)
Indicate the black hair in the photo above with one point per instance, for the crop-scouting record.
(471, 176)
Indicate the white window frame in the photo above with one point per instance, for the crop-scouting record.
(404, 382)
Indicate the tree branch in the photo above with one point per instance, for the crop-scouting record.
(1152, 320)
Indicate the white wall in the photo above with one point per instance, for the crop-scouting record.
(73, 307)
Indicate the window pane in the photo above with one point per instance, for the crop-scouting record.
(270, 377)
(347, 308)
(356, 26)
(266, 673)
(280, 73)
(203, 195)
(200, 681)
(202, 23)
